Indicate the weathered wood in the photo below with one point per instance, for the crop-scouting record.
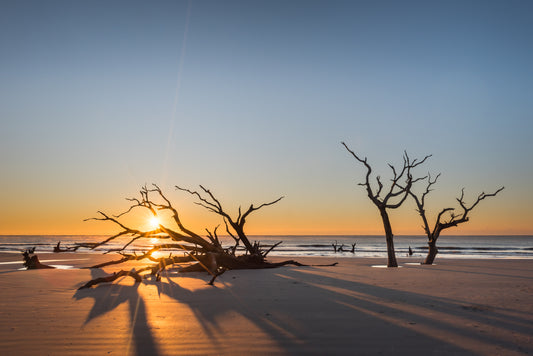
(432, 253)
(206, 253)
(58, 248)
(440, 222)
(31, 261)
(395, 195)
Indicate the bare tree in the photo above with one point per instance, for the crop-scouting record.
(394, 196)
(441, 223)
(198, 253)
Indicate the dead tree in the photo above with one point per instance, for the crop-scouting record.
(58, 248)
(441, 223)
(196, 253)
(31, 260)
(394, 196)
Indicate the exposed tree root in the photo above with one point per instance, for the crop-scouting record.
(215, 271)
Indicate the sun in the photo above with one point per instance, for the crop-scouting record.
(154, 222)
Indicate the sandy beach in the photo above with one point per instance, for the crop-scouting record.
(457, 307)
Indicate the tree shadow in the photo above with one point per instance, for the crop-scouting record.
(442, 315)
(281, 310)
(108, 297)
(302, 310)
(10, 271)
(491, 274)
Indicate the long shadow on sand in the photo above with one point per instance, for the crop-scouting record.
(304, 311)
(109, 297)
(434, 317)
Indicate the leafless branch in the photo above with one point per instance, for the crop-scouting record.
(440, 222)
(395, 195)
(206, 253)
(252, 209)
(271, 248)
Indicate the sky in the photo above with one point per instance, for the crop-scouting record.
(252, 99)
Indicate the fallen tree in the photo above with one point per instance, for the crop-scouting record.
(58, 248)
(198, 253)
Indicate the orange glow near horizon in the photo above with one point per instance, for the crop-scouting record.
(154, 222)
(495, 217)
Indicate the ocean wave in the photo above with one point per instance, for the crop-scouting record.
(366, 246)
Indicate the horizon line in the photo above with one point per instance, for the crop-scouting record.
(299, 235)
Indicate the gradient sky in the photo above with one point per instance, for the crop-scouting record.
(252, 99)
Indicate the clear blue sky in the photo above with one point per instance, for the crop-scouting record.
(252, 99)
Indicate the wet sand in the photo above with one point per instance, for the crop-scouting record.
(457, 307)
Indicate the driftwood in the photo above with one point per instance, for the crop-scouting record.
(58, 248)
(337, 248)
(194, 252)
(31, 261)
(194, 268)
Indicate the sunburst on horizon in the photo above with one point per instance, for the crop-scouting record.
(154, 222)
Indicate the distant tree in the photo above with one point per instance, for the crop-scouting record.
(394, 197)
(440, 222)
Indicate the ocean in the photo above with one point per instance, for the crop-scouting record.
(471, 247)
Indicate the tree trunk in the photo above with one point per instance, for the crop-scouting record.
(432, 252)
(31, 261)
(244, 239)
(389, 237)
